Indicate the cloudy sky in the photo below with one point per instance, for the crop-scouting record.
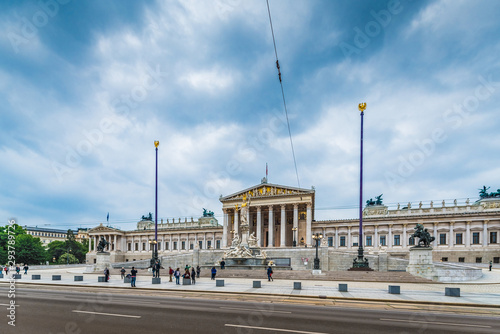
(86, 87)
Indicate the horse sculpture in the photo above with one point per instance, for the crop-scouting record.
(424, 237)
(102, 245)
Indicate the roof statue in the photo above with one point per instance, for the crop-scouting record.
(483, 193)
(149, 217)
(207, 213)
(378, 201)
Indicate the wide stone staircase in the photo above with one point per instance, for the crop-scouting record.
(366, 276)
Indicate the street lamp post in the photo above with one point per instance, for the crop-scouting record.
(155, 244)
(361, 263)
(294, 244)
(317, 237)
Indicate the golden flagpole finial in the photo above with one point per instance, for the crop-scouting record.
(362, 106)
(157, 143)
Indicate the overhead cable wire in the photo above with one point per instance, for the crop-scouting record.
(283, 93)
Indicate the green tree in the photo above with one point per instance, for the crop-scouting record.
(68, 258)
(29, 250)
(55, 250)
(9, 233)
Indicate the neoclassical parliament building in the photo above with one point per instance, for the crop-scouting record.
(282, 220)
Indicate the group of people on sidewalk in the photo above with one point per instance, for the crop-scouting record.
(189, 273)
(16, 269)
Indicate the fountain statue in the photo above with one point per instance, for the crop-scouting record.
(245, 251)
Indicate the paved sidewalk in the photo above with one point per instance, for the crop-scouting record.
(485, 291)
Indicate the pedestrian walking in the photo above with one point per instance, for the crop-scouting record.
(123, 272)
(18, 269)
(270, 274)
(177, 275)
(6, 269)
(491, 265)
(198, 271)
(214, 272)
(170, 273)
(157, 269)
(106, 274)
(193, 276)
(26, 269)
(133, 276)
(222, 264)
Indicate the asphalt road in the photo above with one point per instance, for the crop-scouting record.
(57, 311)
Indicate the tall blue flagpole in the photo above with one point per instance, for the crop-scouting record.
(156, 204)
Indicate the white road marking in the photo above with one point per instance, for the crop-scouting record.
(251, 309)
(110, 314)
(273, 329)
(436, 323)
(8, 305)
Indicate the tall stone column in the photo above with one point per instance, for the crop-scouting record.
(451, 241)
(309, 225)
(375, 242)
(170, 245)
(224, 229)
(163, 242)
(349, 241)
(435, 235)
(205, 240)
(485, 233)
(467, 235)
(213, 242)
(270, 233)
(133, 244)
(108, 239)
(179, 242)
(236, 218)
(336, 237)
(296, 222)
(259, 226)
(404, 236)
(390, 242)
(283, 226)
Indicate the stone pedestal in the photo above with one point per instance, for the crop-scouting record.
(316, 272)
(421, 263)
(103, 261)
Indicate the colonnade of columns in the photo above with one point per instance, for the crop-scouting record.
(231, 218)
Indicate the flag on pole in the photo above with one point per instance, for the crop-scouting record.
(266, 170)
(107, 218)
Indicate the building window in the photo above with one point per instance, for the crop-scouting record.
(167, 244)
(444, 259)
(209, 243)
(143, 246)
(159, 245)
(397, 240)
(461, 259)
(411, 241)
(382, 240)
(442, 239)
(330, 241)
(129, 246)
(458, 239)
(493, 237)
(183, 245)
(475, 238)
(368, 240)
(200, 243)
(175, 245)
(191, 246)
(342, 241)
(136, 246)
(496, 260)
(217, 244)
(479, 259)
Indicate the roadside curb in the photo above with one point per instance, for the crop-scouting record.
(418, 302)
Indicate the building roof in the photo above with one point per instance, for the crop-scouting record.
(43, 229)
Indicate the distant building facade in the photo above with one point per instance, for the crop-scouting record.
(281, 216)
(46, 235)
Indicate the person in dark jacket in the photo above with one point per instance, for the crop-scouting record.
(198, 271)
(270, 274)
(122, 271)
(193, 276)
(133, 276)
(157, 269)
(214, 272)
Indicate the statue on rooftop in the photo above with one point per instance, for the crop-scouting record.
(149, 217)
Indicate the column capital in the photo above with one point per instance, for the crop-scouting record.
(283, 206)
(309, 205)
(270, 208)
(486, 221)
(295, 205)
(468, 222)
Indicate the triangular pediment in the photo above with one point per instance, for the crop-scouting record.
(102, 228)
(266, 190)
